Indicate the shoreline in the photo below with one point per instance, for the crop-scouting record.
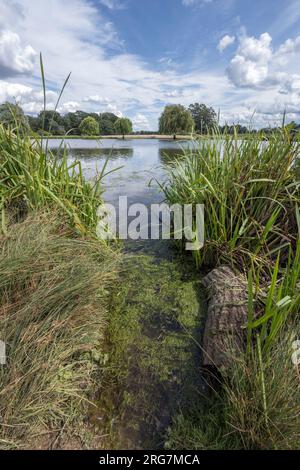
(117, 137)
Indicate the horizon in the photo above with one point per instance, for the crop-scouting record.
(133, 58)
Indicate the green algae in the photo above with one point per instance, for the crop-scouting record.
(154, 356)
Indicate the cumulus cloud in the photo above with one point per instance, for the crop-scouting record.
(76, 36)
(256, 65)
(31, 100)
(14, 58)
(69, 107)
(140, 122)
(225, 42)
(250, 66)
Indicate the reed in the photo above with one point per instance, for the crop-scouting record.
(33, 178)
(249, 191)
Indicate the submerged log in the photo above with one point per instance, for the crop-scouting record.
(224, 334)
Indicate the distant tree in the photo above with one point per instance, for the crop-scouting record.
(89, 126)
(71, 122)
(107, 121)
(51, 122)
(107, 127)
(110, 116)
(205, 118)
(123, 126)
(12, 115)
(175, 119)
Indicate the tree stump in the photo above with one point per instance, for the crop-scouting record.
(224, 334)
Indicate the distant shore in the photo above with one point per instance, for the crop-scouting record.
(119, 137)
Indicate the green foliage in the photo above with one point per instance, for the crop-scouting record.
(53, 315)
(204, 117)
(89, 126)
(256, 407)
(279, 303)
(11, 115)
(28, 175)
(249, 191)
(107, 121)
(175, 119)
(123, 126)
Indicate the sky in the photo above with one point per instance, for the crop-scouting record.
(133, 57)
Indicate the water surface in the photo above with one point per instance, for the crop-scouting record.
(142, 161)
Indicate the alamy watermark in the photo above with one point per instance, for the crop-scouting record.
(157, 221)
(296, 353)
(2, 352)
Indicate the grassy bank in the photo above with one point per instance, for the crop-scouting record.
(55, 282)
(250, 191)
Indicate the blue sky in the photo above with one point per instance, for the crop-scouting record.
(133, 57)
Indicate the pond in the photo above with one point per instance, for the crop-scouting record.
(142, 160)
(155, 319)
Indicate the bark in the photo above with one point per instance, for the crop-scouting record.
(227, 313)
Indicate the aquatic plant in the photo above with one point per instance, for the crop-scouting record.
(32, 177)
(249, 191)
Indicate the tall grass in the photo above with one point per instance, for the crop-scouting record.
(256, 407)
(34, 178)
(277, 302)
(54, 293)
(249, 191)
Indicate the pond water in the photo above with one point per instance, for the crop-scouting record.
(156, 317)
(141, 161)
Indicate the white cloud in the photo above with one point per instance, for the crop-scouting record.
(112, 4)
(95, 99)
(254, 64)
(225, 42)
(31, 100)
(75, 36)
(69, 107)
(14, 58)
(112, 108)
(250, 66)
(140, 122)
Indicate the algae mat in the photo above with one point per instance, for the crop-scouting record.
(153, 369)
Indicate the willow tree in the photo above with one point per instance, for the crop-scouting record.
(175, 119)
(89, 126)
(123, 126)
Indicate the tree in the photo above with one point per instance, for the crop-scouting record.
(12, 115)
(205, 118)
(123, 126)
(175, 119)
(72, 121)
(50, 121)
(89, 126)
(107, 121)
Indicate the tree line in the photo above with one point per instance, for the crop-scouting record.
(202, 119)
(76, 123)
(174, 120)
